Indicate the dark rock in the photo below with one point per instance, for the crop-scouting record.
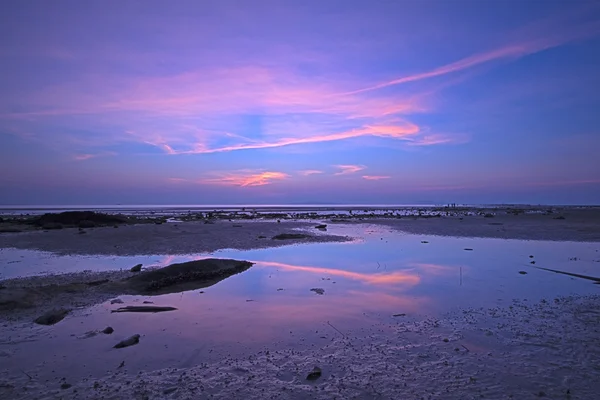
(52, 225)
(321, 226)
(74, 218)
(170, 390)
(116, 301)
(523, 272)
(108, 330)
(532, 262)
(52, 317)
(136, 268)
(86, 224)
(1, 219)
(185, 276)
(10, 230)
(399, 315)
(286, 236)
(65, 386)
(314, 374)
(318, 290)
(262, 237)
(130, 341)
(468, 249)
(152, 309)
(424, 241)
(488, 215)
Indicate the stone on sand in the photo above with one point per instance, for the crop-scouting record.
(52, 317)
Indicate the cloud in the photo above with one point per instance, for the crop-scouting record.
(83, 157)
(348, 169)
(511, 51)
(375, 177)
(308, 172)
(438, 138)
(245, 178)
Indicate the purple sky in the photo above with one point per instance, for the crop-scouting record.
(274, 101)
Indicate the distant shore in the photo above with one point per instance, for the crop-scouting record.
(211, 231)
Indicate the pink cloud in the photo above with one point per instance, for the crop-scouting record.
(245, 178)
(435, 139)
(514, 51)
(83, 157)
(309, 172)
(375, 177)
(348, 169)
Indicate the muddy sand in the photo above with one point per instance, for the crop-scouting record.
(544, 350)
(170, 238)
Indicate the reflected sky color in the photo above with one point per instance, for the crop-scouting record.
(277, 102)
(271, 306)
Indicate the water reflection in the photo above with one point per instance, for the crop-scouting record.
(271, 305)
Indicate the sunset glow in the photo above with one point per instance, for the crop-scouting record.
(280, 102)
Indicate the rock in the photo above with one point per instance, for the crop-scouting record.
(152, 309)
(314, 374)
(468, 249)
(65, 386)
(130, 341)
(185, 276)
(531, 262)
(116, 301)
(321, 226)
(52, 225)
(74, 218)
(86, 224)
(136, 268)
(286, 236)
(523, 272)
(170, 390)
(399, 315)
(1, 219)
(424, 241)
(262, 237)
(488, 215)
(108, 330)
(147, 302)
(52, 317)
(318, 290)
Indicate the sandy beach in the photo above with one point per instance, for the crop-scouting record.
(522, 349)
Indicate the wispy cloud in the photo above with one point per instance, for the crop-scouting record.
(87, 156)
(375, 177)
(308, 172)
(511, 51)
(245, 178)
(348, 169)
(435, 139)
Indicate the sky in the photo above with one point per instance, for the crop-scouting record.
(299, 102)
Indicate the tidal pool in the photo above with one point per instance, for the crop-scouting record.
(382, 279)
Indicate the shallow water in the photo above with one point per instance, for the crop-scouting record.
(271, 306)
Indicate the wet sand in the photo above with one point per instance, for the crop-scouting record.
(169, 238)
(542, 350)
(525, 351)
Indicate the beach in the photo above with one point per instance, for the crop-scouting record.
(355, 296)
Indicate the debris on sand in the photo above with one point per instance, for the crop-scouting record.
(424, 241)
(321, 226)
(136, 268)
(468, 249)
(185, 276)
(590, 278)
(314, 374)
(116, 301)
(108, 330)
(130, 341)
(523, 272)
(399, 315)
(286, 236)
(152, 309)
(52, 317)
(318, 290)
(65, 386)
